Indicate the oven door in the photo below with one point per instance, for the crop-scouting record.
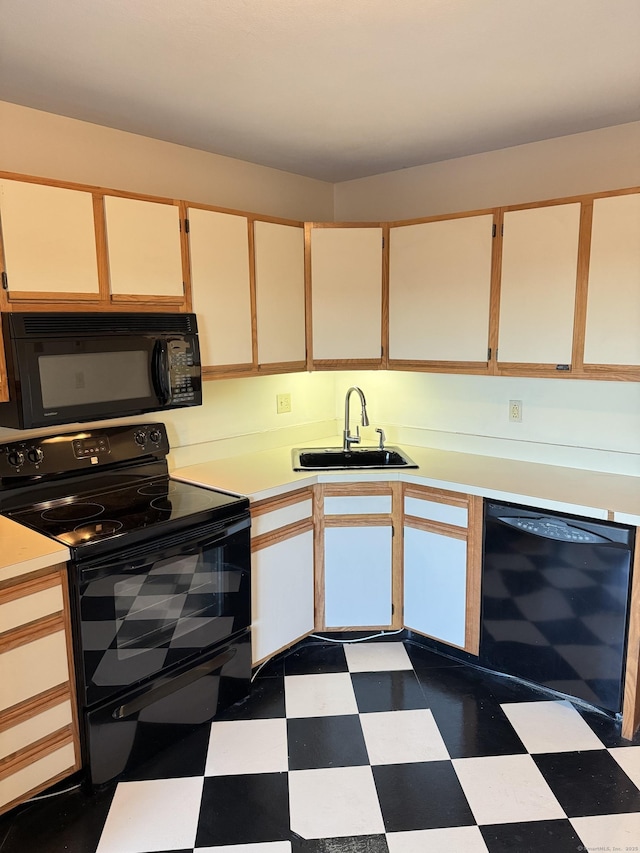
(147, 610)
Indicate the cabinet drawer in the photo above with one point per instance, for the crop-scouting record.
(36, 775)
(358, 505)
(435, 511)
(36, 728)
(269, 521)
(33, 668)
(27, 608)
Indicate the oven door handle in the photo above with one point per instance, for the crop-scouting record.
(125, 561)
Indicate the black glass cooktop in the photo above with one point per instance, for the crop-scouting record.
(148, 503)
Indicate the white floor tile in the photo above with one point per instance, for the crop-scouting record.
(628, 757)
(506, 789)
(259, 847)
(334, 802)
(160, 814)
(451, 840)
(551, 727)
(247, 746)
(395, 737)
(609, 832)
(319, 695)
(376, 657)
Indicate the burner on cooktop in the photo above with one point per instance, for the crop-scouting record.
(164, 488)
(72, 512)
(179, 503)
(97, 529)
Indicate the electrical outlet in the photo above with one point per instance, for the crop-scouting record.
(515, 411)
(283, 403)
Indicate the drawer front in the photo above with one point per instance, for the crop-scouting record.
(36, 775)
(28, 608)
(435, 511)
(33, 668)
(358, 505)
(269, 521)
(37, 727)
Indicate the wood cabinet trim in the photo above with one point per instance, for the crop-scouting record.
(355, 520)
(355, 490)
(28, 755)
(582, 284)
(30, 586)
(35, 705)
(397, 559)
(281, 534)
(444, 496)
(32, 631)
(439, 527)
(441, 217)
(631, 699)
(267, 505)
(479, 368)
(319, 596)
(474, 576)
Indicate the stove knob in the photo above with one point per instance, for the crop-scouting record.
(140, 438)
(35, 455)
(15, 458)
(156, 436)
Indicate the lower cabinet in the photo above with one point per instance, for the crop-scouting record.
(356, 556)
(282, 547)
(442, 565)
(39, 742)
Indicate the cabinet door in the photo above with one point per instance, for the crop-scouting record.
(435, 579)
(282, 599)
(537, 293)
(143, 247)
(439, 290)
(49, 240)
(280, 296)
(357, 576)
(346, 294)
(220, 283)
(613, 297)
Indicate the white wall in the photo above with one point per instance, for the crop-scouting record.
(596, 161)
(50, 146)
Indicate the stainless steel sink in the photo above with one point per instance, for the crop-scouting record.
(335, 458)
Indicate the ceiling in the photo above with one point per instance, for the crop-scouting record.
(331, 89)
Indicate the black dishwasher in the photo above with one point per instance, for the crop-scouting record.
(555, 596)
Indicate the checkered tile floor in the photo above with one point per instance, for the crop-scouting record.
(368, 748)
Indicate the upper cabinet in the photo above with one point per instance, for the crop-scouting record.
(221, 288)
(439, 293)
(143, 250)
(49, 240)
(346, 295)
(612, 333)
(538, 287)
(280, 295)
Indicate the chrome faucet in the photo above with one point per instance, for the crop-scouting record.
(347, 438)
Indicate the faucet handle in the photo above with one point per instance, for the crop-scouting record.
(382, 438)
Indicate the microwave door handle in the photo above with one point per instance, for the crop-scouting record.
(161, 373)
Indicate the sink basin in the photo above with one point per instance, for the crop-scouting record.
(335, 458)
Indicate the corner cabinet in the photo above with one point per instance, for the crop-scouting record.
(346, 285)
(442, 565)
(440, 294)
(39, 743)
(282, 582)
(357, 556)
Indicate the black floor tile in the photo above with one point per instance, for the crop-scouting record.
(543, 836)
(266, 701)
(606, 727)
(316, 659)
(152, 758)
(244, 809)
(472, 727)
(588, 783)
(424, 795)
(387, 691)
(344, 844)
(326, 742)
(422, 658)
(67, 822)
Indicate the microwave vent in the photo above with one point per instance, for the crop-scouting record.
(86, 324)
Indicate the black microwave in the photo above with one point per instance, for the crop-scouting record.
(69, 367)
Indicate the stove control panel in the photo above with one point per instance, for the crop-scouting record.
(59, 454)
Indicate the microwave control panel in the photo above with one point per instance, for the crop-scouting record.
(181, 372)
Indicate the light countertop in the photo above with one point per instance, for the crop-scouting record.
(590, 493)
(23, 551)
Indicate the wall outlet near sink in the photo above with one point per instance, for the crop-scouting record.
(283, 403)
(515, 411)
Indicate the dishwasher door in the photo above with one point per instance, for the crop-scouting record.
(555, 594)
